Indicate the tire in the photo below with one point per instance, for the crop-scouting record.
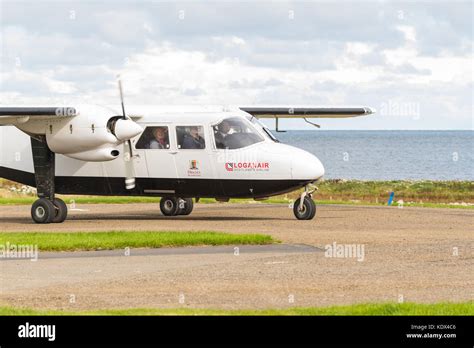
(43, 211)
(309, 209)
(61, 211)
(169, 206)
(188, 206)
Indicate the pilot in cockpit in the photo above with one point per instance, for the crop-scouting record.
(221, 131)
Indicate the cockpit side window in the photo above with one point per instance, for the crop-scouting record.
(154, 138)
(235, 133)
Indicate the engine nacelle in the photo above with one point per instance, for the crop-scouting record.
(96, 155)
(92, 135)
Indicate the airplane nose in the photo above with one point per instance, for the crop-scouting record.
(306, 166)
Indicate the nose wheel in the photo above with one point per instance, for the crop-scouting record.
(304, 207)
(307, 210)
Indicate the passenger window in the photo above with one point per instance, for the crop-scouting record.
(190, 137)
(154, 138)
(235, 133)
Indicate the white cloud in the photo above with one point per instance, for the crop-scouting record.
(227, 54)
(359, 48)
(408, 31)
(33, 80)
(446, 68)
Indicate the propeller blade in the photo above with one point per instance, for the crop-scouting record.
(128, 153)
(121, 97)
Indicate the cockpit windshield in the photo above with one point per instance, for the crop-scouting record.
(235, 133)
(265, 129)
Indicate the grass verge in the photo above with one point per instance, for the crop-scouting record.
(119, 240)
(277, 200)
(357, 202)
(18, 200)
(426, 193)
(389, 309)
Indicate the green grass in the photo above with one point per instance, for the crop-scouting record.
(436, 194)
(18, 200)
(326, 202)
(156, 200)
(426, 190)
(124, 200)
(120, 240)
(466, 308)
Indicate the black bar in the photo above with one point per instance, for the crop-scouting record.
(234, 330)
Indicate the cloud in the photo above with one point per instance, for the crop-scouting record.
(369, 53)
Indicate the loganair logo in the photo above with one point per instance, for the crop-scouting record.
(247, 166)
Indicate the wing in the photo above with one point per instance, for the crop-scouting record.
(20, 114)
(307, 112)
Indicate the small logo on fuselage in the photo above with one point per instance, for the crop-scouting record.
(194, 168)
(193, 165)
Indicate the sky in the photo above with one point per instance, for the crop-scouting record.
(410, 60)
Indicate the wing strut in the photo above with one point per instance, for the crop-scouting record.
(311, 123)
(276, 126)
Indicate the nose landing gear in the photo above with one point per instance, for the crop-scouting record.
(304, 207)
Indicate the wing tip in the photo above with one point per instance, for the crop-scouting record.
(369, 110)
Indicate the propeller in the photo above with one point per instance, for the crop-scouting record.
(128, 153)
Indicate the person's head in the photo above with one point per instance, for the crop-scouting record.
(224, 127)
(160, 133)
(194, 132)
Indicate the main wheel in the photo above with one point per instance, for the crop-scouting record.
(186, 207)
(169, 206)
(308, 210)
(43, 211)
(61, 211)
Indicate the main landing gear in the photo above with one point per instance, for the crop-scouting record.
(304, 207)
(44, 211)
(47, 208)
(172, 206)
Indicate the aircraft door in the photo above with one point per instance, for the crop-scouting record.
(156, 147)
(193, 161)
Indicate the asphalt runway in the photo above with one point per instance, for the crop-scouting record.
(410, 254)
(201, 250)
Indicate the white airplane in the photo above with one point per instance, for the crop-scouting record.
(177, 153)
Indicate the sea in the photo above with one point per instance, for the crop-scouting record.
(389, 155)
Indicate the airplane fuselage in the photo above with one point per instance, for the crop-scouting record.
(254, 165)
